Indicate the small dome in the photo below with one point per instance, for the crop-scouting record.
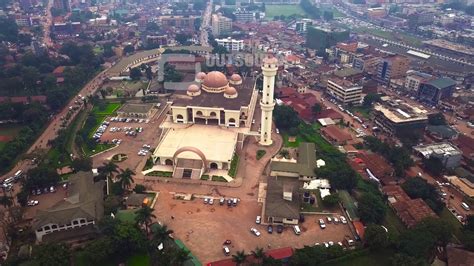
(215, 79)
(200, 75)
(230, 92)
(235, 77)
(193, 88)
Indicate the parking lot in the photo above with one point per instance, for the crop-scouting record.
(131, 137)
(204, 228)
(45, 201)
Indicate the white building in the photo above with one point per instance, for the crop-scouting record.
(344, 91)
(231, 44)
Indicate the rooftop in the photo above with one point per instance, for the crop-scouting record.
(275, 204)
(401, 113)
(306, 162)
(443, 148)
(442, 83)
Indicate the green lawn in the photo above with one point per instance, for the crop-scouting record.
(160, 174)
(348, 202)
(126, 215)
(98, 148)
(288, 144)
(56, 159)
(363, 111)
(393, 223)
(139, 260)
(335, 12)
(394, 36)
(233, 165)
(2, 145)
(286, 10)
(110, 108)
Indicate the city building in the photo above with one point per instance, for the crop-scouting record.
(410, 211)
(244, 15)
(335, 135)
(367, 63)
(63, 5)
(392, 67)
(400, 119)
(376, 12)
(74, 216)
(449, 154)
(344, 91)
(302, 167)
(179, 22)
(414, 79)
(420, 19)
(282, 201)
(23, 20)
(302, 25)
(231, 44)
(434, 90)
(156, 40)
(221, 25)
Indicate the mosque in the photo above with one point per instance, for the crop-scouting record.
(209, 120)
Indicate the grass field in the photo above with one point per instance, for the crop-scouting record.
(394, 36)
(110, 109)
(379, 258)
(393, 223)
(348, 202)
(286, 10)
(449, 218)
(126, 215)
(139, 260)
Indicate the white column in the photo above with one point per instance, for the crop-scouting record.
(267, 103)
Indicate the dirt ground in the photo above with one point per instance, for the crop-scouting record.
(204, 228)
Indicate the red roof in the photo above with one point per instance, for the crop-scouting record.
(329, 113)
(360, 228)
(348, 47)
(335, 134)
(59, 70)
(301, 107)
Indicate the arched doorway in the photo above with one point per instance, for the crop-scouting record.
(169, 162)
(213, 166)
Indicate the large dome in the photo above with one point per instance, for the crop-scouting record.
(215, 80)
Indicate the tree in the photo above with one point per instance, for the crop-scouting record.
(259, 254)
(239, 258)
(285, 117)
(160, 233)
(404, 260)
(135, 73)
(144, 217)
(371, 208)
(139, 188)
(370, 98)
(108, 169)
(375, 237)
(51, 255)
(182, 38)
(316, 109)
(331, 200)
(437, 119)
(285, 153)
(126, 178)
(111, 204)
(6, 201)
(8, 30)
(128, 49)
(417, 187)
(82, 164)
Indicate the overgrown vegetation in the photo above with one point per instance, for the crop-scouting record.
(233, 165)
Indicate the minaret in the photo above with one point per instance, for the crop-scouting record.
(269, 71)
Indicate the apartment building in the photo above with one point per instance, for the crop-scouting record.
(392, 67)
(182, 22)
(398, 119)
(221, 25)
(414, 79)
(231, 44)
(344, 91)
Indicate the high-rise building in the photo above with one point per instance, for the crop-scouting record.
(269, 71)
(63, 5)
(344, 91)
(414, 79)
(244, 15)
(392, 67)
(221, 25)
(302, 25)
(400, 119)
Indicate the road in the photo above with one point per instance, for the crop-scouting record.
(206, 23)
(47, 25)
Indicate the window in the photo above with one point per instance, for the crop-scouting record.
(47, 228)
(83, 221)
(213, 114)
(75, 222)
(54, 226)
(179, 117)
(198, 113)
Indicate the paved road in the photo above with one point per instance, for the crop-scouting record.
(48, 23)
(206, 23)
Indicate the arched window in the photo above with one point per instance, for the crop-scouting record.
(198, 113)
(231, 120)
(83, 221)
(213, 165)
(168, 162)
(54, 226)
(179, 117)
(213, 114)
(75, 222)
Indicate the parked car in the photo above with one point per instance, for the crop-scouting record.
(255, 231)
(33, 202)
(280, 228)
(226, 250)
(326, 244)
(229, 202)
(51, 189)
(322, 224)
(206, 200)
(258, 220)
(221, 201)
(297, 230)
(329, 219)
(336, 221)
(211, 201)
(270, 229)
(343, 219)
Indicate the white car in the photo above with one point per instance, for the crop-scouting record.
(322, 224)
(343, 219)
(211, 201)
(255, 231)
(331, 243)
(326, 244)
(258, 220)
(33, 202)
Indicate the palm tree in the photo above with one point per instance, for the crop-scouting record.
(125, 178)
(144, 217)
(179, 256)
(108, 169)
(239, 257)
(258, 254)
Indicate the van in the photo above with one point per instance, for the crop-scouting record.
(297, 230)
(234, 202)
(465, 206)
(18, 173)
